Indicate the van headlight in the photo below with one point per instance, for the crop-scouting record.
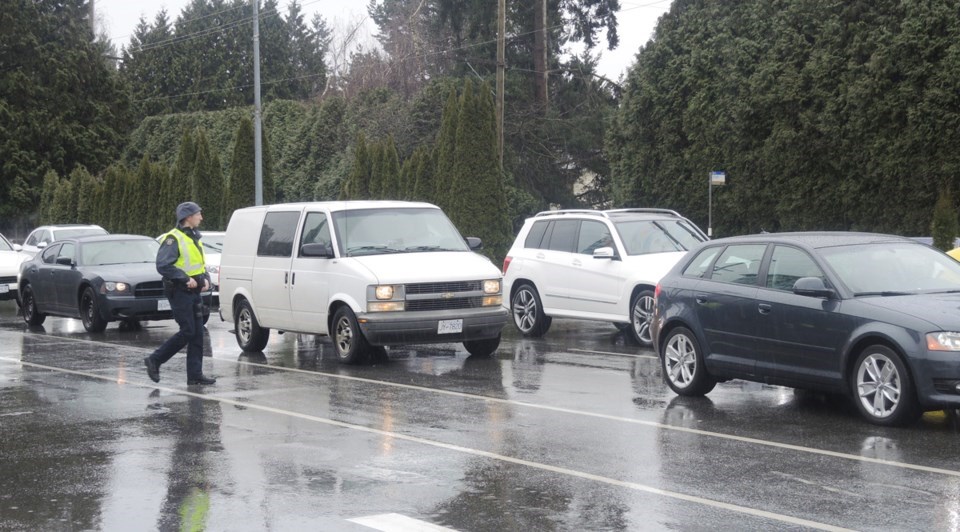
(491, 286)
(386, 298)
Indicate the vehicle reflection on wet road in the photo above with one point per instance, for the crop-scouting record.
(573, 432)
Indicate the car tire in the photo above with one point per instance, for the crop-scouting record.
(348, 339)
(251, 337)
(883, 389)
(527, 311)
(641, 316)
(682, 364)
(482, 348)
(29, 307)
(90, 312)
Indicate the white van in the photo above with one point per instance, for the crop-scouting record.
(367, 273)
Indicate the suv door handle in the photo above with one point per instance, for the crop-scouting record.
(540, 256)
(576, 262)
(764, 308)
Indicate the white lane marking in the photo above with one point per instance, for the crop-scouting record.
(654, 424)
(465, 450)
(397, 523)
(16, 414)
(611, 353)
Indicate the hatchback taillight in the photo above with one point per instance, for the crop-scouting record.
(656, 291)
(506, 263)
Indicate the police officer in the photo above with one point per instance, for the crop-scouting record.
(180, 262)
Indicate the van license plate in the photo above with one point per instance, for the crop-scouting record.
(4, 288)
(449, 326)
(163, 304)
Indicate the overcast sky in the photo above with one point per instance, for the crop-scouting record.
(637, 18)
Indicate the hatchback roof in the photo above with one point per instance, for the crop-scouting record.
(817, 239)
(105, 238)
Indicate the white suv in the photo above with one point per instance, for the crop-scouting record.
(594, 265)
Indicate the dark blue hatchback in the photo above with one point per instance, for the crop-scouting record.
(876, 317)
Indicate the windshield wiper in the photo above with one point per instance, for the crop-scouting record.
(884, 293)
(370, 250)
(428, 248)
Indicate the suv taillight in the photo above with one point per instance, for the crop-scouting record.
(506, 263)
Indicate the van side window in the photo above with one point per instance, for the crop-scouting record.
(276, 235)
(316, 230)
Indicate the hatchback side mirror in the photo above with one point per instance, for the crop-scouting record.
(475, 243)
(813, 287)
(65, 261)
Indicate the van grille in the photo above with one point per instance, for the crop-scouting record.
(149, 289)
(435, 288)
(445, 304)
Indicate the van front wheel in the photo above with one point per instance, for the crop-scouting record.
(251, 337)
(348, 340)
(482, 348)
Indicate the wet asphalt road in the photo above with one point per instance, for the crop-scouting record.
(575, 431)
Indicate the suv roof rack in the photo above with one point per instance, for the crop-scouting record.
(646, 210)
(573, 211)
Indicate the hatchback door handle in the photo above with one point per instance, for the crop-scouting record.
(701, 300)
(764, 308)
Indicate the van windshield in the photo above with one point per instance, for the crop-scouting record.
(395, 230)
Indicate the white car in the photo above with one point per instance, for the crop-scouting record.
(212, 248)
(45, 235)
(11, 255)
(593, 265)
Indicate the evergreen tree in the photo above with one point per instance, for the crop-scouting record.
(64, 209)
(424, 188)
(377, 152)
(181, 187)
(390, 176)
(357, 185)
(478, 201)
(207, 180)
(446, 150)
(945, 227)
(84, 187)
(51, 182)
(241, 189)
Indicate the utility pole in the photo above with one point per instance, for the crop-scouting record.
(501, 66)
(257, 144)
(93, 21)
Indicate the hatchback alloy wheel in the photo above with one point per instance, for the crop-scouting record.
(682, 364)
(884, 391)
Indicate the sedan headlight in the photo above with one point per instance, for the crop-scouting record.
(943, 341)
(491, 286)
(110, 286)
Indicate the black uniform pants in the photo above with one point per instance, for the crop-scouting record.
(188, 311)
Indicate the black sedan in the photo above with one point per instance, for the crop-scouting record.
(875, 317)
(98, 279)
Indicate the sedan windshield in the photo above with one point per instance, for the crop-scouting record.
(212, 243)
(648, 236)
(893, 268)
(395, 230)
(118, 252)
(60, 234)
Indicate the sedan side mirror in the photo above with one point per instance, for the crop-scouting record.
(813, 287)
(475, 243)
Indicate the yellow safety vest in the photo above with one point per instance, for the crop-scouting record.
(191, 256)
